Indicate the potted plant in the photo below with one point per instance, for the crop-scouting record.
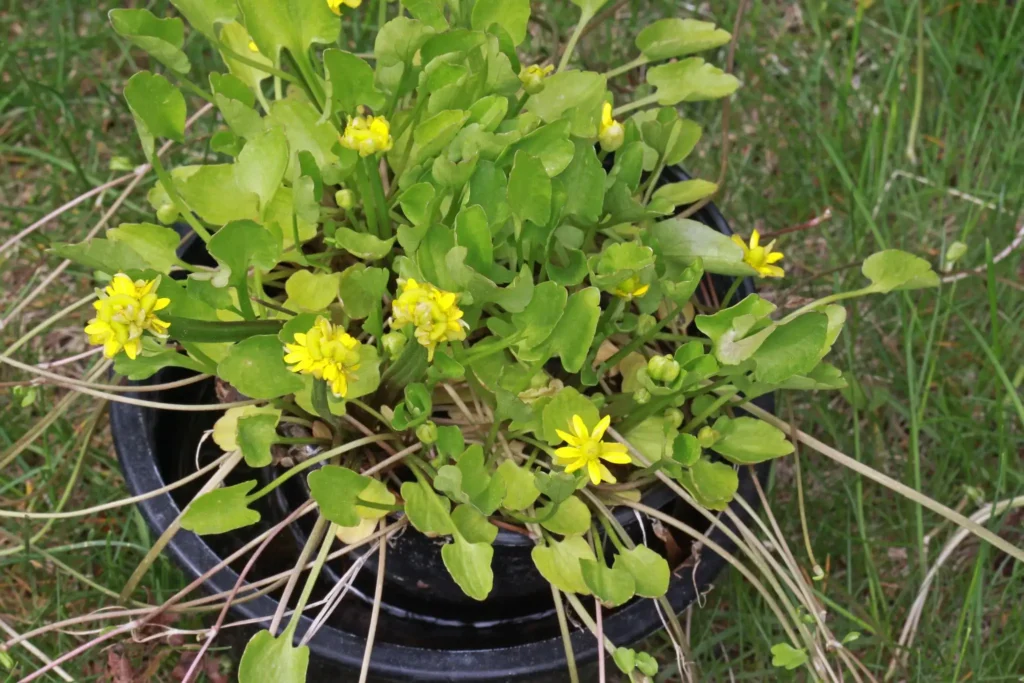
(457, 330)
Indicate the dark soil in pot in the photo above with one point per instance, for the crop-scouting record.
(428, 630)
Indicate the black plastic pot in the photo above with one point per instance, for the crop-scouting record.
(427, 630)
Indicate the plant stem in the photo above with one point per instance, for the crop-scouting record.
(282, 603)
(570, 47)
(628, 66)
(314, 573)
(378, 592)
(730, 293)
(172, 193)
(563, 627)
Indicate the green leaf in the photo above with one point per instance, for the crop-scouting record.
(520, 486)
(153, 359)
(650, 571)
(103, 255)
(836, 315)
(396, 45)
(156, 244)
(239, 245)
(161, 38)
(415, 201)
(294, 25)
(311, 292)
(267, 658)
(738, 331)
(690, 80)
(157, 107)
(237, 40)
(362, 244)
(559, 563)
(685, 449)
(575, 331)
(558, 413)
(301, 124)
(470, 566)
(256, 434)
(430, 12)
(654, 438)
(669, 38)
(204, 15)
(571, 517)
(361, 290)
(684, 241)
(437, 132)
(791, 349)
(550, 144)
(257, 369)
(579, 92)
(349, 83)
(625, 659)
(473, 526)
(683, 193)
(529, 190)
(893, 269)
(511, 15)
(225, 429)
(336, 489)
(428, 512)
(788, 657)
(614, 586)
(557, 486)
(213, 193)
(712, 484)
(582, 183)
(672, 137)
(262, 164)
(221, 510)
(748, 440)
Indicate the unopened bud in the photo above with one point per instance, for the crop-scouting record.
(345, 199)
(674, 417)
(167, 214)
(707, 437)
(394, 343)
(427, 433)
(663, 369)
(642, 396)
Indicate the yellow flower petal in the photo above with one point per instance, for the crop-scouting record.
(600, 428)
(580, 428)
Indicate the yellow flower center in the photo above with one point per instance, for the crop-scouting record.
(584, 448)
(433, 312)
(336, 5)
(126, 308)
(630, 289)
(367, 135)
(760, 258)
(326, 352)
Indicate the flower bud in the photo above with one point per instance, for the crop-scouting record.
(345, 199)
(394, 343)
(674, 417)
(612, 137)
(707, 437)
(427, 433)
(532, 77)
(663, 369)
(167, 214)
(954, 253)
(645, 324)
(642, 396)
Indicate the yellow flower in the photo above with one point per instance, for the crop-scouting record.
(630, 289)
(367, 135)
(532, 77)
(253, 47)
(612, 133)
(126, 309)
(336, 5)
(434, 312)
(327, 352)
(585, 449)
(760, 258)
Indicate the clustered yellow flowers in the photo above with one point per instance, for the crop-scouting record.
(586, 449)
(612, 133)
(760, 258)
(367, 135)
(434, 313)
(336, 5)
(532, 77)
(630, 288)
(126, 308)
(326, 352)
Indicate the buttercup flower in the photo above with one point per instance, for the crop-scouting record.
(585, 449)
(327, 352)
(434, 312)
(630, 289)
(336, 5)
(126, 308)
(612, 133)
(532, 77)
(367, 135)
(760, 258)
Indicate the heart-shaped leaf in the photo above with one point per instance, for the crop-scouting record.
(520, 486)
(747, 440)
(221, 510)
(336, 489)
(511, 15)
(257, 369)
(157, 107)
(349, 83)
(267, 658)
(156, 244)
(792, 349)
(650, 571)
(674, 37)
(559, 563)
(161, 38)
(428, 512)
(256, 434)
(529, 190)
(571, 517)
(614, 586)
(205, 15)
(470, 565)
(690, 80)
(293, 25)
(894, 269)
(311, 292)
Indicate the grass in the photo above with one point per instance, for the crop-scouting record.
(828, 112)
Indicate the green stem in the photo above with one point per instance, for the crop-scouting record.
(638, 342)
(172, 192)
(380, 202)
(710, 410)
(369, 198)
(636, 104)
(628, 66)
(248, 61)
(570, 47)
(824, 301)
(731, 292)
(314, 574)
(195, 89)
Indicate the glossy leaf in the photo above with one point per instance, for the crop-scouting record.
(161, 38)
(578, 94)
(205, 15)
(336, 489)
(430, 12)
(559, 563)
(893, 269)
(690, 80)
(350, 83)
(572, 517)
(237, 40)
(156, 245)
(529, 190)
(674, 37)
(511, 15)
(614, 586)
(267, 658)
(558, 413)
(256, 434)
(294, 25)
(747, 440)
(157, 107)
(712, 484)
(470, 565)
(309, 292)
(791, 349)
(257, 369)
(225, 429)
(650, 571)
(427, 511)
(684, 241)
(262, 164)
(520, 486)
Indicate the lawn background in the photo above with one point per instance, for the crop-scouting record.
(835, 96)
